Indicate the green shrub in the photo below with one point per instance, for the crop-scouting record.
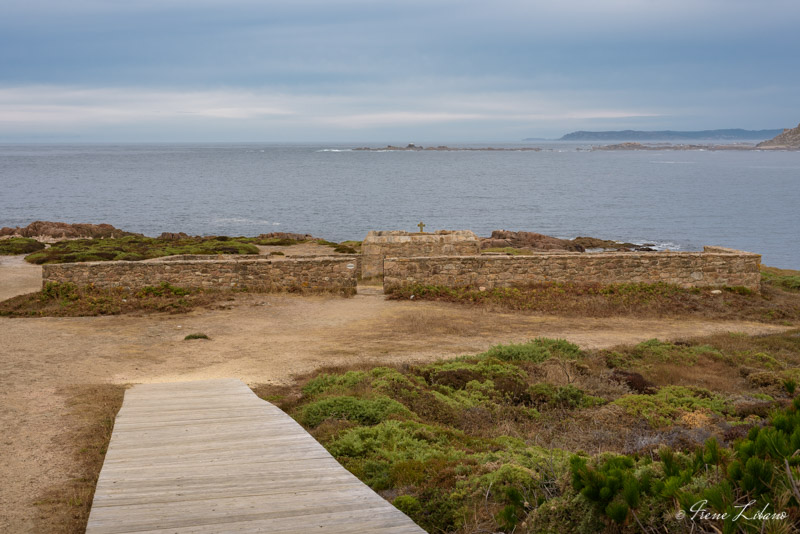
(363, 411)
(537, 350)
(164, 288)
(408, 505)
(196, 336)
(570, 397)
(325, 382)
(19, 245)
(136, 248)
(669, 402)
(759, 469)
(790, 385)
(59, 290)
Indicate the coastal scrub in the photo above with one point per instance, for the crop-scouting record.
(69, 300)
(778, 302)
(19, 245)
(498, 441)
(136, 248)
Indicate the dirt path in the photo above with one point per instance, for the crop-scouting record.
(261, 338)
(18, 277)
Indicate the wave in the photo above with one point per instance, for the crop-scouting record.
(241, 220)
(665, 246)
(335, 150)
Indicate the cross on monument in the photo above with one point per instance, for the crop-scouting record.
(421, 226)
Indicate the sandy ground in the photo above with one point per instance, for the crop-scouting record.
(18, 277)
(259, 339)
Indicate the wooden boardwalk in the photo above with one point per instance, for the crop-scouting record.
(210, 456)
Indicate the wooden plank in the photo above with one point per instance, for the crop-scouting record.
(211, 457)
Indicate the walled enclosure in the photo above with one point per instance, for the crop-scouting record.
(397, 244)
(313, 275)
(714, 267)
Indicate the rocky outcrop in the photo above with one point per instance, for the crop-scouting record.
(287, 235)
(528, 240)
(441, 148)
(607, 244)
(173, 236)
(60, 230)
(788, 140)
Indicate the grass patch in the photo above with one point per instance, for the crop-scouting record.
(19, 245)
(136, 248)
(69, 300)
(196, 336)
(65, 508)
(355, 245)
(783, 278)
(774, 304)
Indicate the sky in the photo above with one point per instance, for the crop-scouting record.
(365, 70)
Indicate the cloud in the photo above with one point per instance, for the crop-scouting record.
(55, 105)
(268, 114)
(461, 68)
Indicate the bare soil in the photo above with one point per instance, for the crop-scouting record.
(18, 277)
(258, 338)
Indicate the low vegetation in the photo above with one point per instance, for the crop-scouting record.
(19, 245)
(65, 507)
(545, 437)
(69, 300)
(271, 241)
(777, 302)
(136, 248)
(784, 278)
(196, 336)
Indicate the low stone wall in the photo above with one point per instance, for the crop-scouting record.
(714, 267)
(397, 244)
(315, 275)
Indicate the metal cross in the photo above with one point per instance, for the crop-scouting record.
(421, 226)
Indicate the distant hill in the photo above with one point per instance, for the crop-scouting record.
(786, 139)
(670, 135)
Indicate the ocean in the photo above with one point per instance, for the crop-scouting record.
(677, 200)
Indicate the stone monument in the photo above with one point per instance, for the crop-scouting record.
(399, 244)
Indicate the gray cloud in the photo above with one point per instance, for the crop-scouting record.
(376, 68)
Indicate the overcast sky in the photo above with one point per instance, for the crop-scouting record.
(365, 70)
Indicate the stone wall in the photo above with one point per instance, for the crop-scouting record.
(315, 275)
(714, 267)
(397, 244)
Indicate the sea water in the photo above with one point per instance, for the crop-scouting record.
(678, 200)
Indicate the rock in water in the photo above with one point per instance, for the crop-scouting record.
(528, 240)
